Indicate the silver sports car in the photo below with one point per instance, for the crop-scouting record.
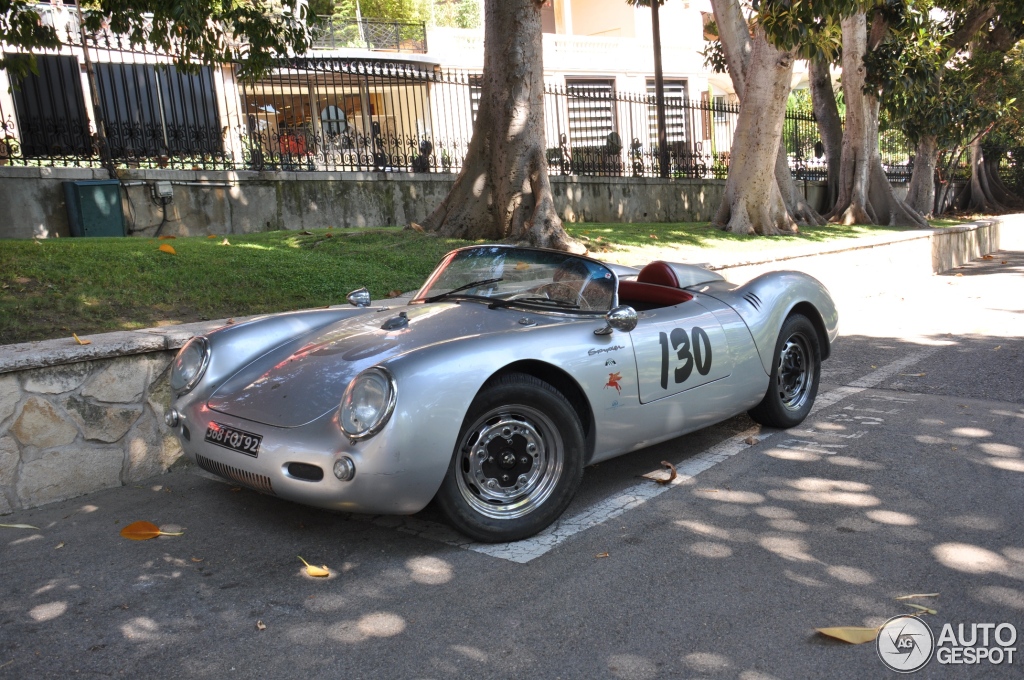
(509, 371)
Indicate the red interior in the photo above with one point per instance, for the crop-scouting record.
(659, 273)
(649, 295)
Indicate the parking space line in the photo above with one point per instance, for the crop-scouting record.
(686, 470)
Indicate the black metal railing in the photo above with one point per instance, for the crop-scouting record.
(330, 113)
(332, 33)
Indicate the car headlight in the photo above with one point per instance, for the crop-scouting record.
(190, 365)
(368, 402)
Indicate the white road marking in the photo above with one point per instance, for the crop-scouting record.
(531, 548)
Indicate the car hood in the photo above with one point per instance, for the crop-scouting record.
(305, 378)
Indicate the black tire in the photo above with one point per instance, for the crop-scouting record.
(517, 462)
(796, 372)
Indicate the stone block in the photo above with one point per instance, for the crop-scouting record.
(69, 472)
(121, 381)
(42, 425)
(150, 449)
(57, 379)
(101, 422)
(5, 506)
(159, 396)
(10, 395)
(9, 457)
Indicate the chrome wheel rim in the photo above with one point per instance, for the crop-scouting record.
(510, 462)
(796, 373)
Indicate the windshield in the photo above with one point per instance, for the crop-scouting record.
(507, 275)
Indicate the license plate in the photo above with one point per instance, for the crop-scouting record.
(234, 439)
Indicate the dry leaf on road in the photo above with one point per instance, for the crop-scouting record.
(855, 635)
(316, 571)
(671, 473)
(600, 555)
(143, 531)
(260, 625)
(751, 440)
(19, 526)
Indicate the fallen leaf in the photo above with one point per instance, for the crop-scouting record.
(855, 635)
(22, 280)
(19, 526)
(166, 237)
(306, 233)
(874, 367)
(229, 322)
(921, 608)
(80, 341)
(416, 227)
(59, 546)
(671, 473)
(914, 375)
(328, 235)
(316, 571)
(198, 559)
(212, 236)
(987, 257)
(600, 555)
(959, 274)
(394, 293)
(168, 249)
(260, 625)
(143, 531)
(654, 236)
(1003, 262)
(996, 347)
(914, 597)
(751, 440)
(225, 242)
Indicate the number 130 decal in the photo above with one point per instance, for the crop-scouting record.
(693, 350)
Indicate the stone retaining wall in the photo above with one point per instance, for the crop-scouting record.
(68, 430)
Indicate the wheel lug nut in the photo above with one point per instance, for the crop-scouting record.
(532, 448)
(491, 484)
(524, 460)
(504, 478)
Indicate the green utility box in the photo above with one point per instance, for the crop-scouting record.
(94, 207)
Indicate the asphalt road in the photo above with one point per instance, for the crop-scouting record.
(907, 479)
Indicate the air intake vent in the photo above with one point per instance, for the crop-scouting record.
(754, 301)
(253, 481)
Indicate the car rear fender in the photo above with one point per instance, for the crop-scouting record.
(765, 302)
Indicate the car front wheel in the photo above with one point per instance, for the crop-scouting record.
(796, 371)
(517, 463)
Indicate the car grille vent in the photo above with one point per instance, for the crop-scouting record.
(256, 482)
(754, 301)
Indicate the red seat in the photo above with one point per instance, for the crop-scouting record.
(650, 295)
(659, 273)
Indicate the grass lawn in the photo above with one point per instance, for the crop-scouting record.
(52, 288)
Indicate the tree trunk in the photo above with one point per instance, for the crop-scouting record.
(921, 196)
(986, 192)
(753, 203)
(734, 33)
(503, 191)
(830, 125)
(865, 194)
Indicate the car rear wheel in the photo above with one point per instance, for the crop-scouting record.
(517, 463)
(796, 372)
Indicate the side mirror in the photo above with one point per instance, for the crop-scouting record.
(622, 318)
(359, 298)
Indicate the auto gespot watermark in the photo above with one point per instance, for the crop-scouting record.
(906, 644)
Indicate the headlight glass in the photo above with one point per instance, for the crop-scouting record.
(368, 402)
(190, 364)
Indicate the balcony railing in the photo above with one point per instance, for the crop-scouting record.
(332, 33)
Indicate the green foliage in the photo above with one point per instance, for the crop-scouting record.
(20, 25)
(254, 32)
(455, 13)
(403, 11)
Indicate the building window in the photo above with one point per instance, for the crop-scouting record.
(677, 123)
(152, 110)
(591, 108)
(52, 121)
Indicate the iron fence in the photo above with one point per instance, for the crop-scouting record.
(332, 33)
(331, 113)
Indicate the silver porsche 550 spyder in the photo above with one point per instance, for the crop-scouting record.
(509, 371)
